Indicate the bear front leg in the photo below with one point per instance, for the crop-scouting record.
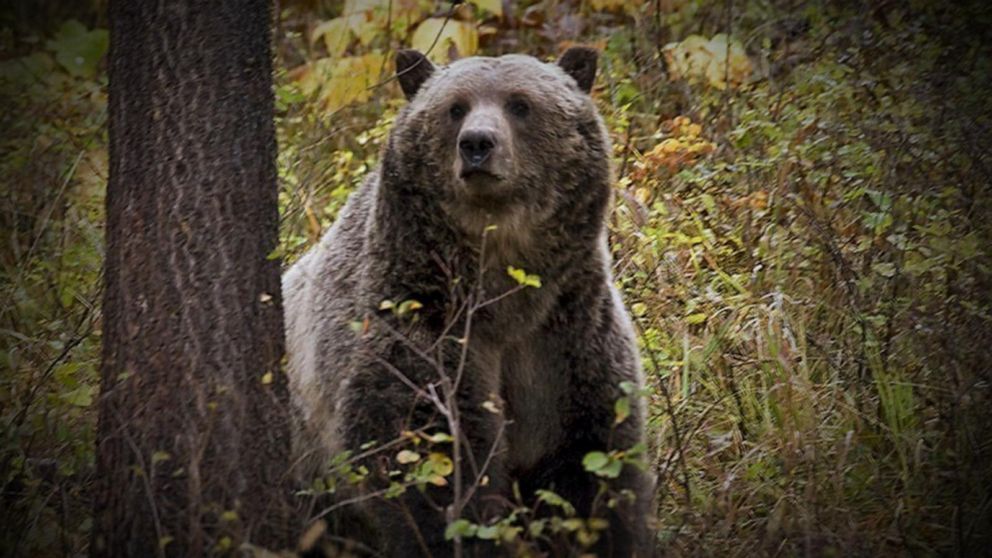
(624, 501)
(406, 403)
(599, 366)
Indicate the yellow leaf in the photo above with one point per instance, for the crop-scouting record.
(670, 145)
(364, 27)
(643, 195)
(439, 438)
(267, 378)
(460, 35)
(715, 75)
(716, 61)
(351, 80)
(341, 81)
(336, 35)
(407, 456)
(441, 464)
(408, 306)
(437, 480)
(306, 77)
(494, 7)
(367, 18)
(524, 278)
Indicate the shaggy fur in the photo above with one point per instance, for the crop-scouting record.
(552, 358)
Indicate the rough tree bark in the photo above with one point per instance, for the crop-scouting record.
(193, 430)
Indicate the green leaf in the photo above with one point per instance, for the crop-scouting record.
(622, 410)
(487, 533)
(611, 470)
(460, 528)
(594, 461)
(573, 524)
(408, 306)
(80, 397)
(693, 319)
(536, 527)
(553, 499)
(395, 490)
(78, 50)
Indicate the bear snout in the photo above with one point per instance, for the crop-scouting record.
(475, 147)
(484, 144)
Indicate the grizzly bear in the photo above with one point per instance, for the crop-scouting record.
(473, 262)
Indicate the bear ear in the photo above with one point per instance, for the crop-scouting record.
(412, 69)
(580, 63)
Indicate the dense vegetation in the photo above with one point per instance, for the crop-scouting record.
(800, 229)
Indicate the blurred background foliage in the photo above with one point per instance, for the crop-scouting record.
(801, 230)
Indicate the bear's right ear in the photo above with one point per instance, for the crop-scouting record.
(412, 69)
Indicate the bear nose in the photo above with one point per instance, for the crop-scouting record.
(476, 146)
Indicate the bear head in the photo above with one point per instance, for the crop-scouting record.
(508, 141)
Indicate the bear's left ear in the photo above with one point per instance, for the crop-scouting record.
(412, 69)
(580, 63)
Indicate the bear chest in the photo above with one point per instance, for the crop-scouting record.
(532, 390)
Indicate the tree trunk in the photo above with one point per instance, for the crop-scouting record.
(193, 432)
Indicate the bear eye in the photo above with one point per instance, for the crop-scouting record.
(518, 107)
(457, 111)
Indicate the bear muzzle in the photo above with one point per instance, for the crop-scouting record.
(483, 144)
(475, 148)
